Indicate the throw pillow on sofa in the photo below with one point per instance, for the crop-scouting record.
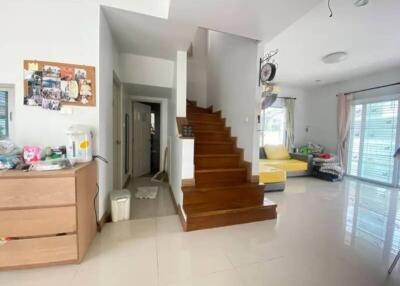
(276, 152)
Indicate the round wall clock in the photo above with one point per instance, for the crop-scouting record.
(267, 72)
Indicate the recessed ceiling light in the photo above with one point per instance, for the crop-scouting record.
(334, 57)
(360, 3)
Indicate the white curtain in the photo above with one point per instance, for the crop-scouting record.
(289, 104)
(343, 125)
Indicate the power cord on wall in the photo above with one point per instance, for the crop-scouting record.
(330, 9)
(94, 204)
(97, 192)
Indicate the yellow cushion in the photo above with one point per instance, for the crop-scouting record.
(268, 174)
(290, 165)
(276, 152)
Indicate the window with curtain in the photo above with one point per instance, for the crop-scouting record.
(372, 140)
(4, 129)
(273, 126)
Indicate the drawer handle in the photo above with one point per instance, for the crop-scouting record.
(3, 240)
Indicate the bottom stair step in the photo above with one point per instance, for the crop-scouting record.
(203, 216)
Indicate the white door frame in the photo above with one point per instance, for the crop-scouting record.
(117, 133)
(163, 124)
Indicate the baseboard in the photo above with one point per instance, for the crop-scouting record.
(188, 182)
(104, 219)
(182, 218)
(173, 199)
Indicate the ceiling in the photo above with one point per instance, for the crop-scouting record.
(146, 35)
(369, 34)
(255, 19)
(158, 37)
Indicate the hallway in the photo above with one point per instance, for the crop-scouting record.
(162, 205)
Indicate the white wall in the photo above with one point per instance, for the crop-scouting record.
(180, 155)
(321, 105)
(105, 116)
(146, 70)
(34, 125)
(231, 85)
(197, 69)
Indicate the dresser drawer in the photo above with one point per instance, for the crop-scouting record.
(37, 192)
(36, 251)
(37, 222)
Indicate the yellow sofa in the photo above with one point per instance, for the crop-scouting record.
(289, 165)
(274, 171)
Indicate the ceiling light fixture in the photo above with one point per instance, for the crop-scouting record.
(360, 3)
(334, 58)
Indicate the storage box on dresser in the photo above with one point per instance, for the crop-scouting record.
(49, 216)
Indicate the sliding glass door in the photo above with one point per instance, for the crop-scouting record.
(373, 139)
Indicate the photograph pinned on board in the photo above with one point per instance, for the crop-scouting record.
(64, 87)
(51, 104)
(51, 93)
(51, 82)
(66, 73)
(51, 71)
(33, 77)
(85, 87)
(80, 74)
(34, 97)
(73, 90)
(33, 66)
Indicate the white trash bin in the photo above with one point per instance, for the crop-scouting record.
(120, 205)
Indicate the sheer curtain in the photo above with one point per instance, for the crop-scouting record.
(343, 125)
(289, 104)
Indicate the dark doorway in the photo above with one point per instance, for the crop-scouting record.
(155, 136)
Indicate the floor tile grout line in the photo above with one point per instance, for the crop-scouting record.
(158, 264)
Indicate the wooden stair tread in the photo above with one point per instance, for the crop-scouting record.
(221, 170)
(221, 142)
(201, 122)
(216, 155)
(210, 131)
(247, 186)
(202, 113)
(199, 210)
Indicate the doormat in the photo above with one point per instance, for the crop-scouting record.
(149, 192)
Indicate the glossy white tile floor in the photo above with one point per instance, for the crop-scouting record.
(326, 234)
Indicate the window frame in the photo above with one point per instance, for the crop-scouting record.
(9, 88)
(262, 124)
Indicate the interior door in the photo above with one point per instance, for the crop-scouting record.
(141, 139)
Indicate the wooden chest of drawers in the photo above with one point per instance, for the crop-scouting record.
(48, 216)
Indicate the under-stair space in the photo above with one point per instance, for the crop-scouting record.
(223, 193)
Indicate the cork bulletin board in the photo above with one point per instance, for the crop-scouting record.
(50, 84)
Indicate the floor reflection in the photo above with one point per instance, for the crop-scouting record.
(373, 217)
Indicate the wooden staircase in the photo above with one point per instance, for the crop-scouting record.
(223, 193)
